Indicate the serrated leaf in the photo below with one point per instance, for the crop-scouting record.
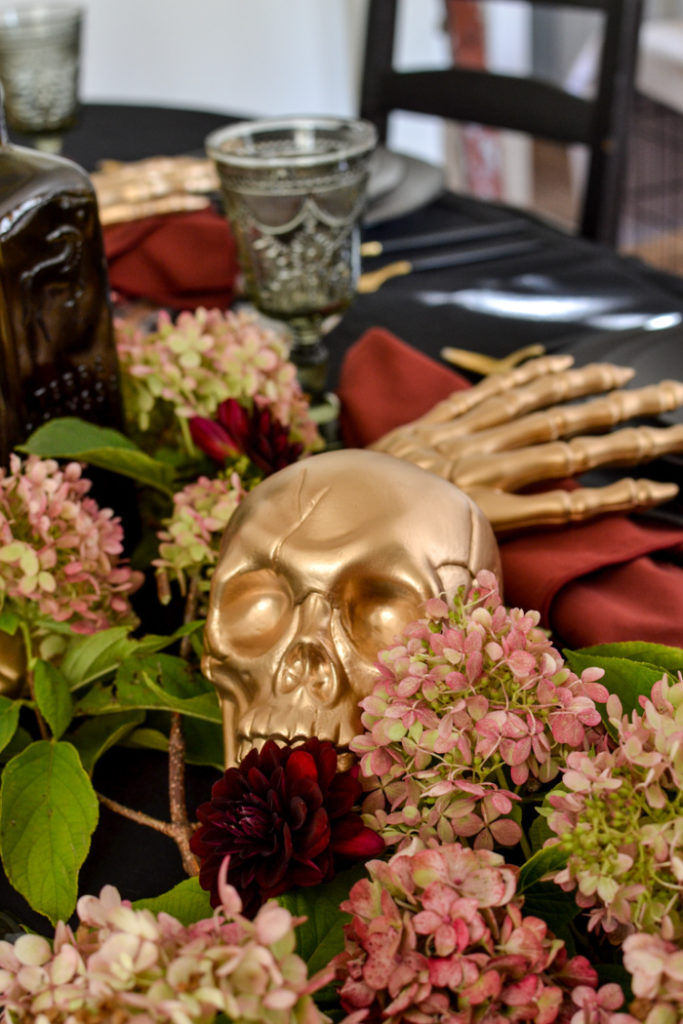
(145, 692)
(53, 697)
(22, 738)
(9, 720)
(48, 812)
(97, 735)
(71, 438)
(547, 861)
(89, 657)
(321, 936)
(186, 901)
(669, 659)
(628, 679)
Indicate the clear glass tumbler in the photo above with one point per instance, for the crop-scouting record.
(294, 190)
(40, 47)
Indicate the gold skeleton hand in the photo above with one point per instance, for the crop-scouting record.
(508, 431)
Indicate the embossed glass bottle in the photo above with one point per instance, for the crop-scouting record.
(57, 354)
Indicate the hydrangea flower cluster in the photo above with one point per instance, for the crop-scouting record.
(656, 969)
(621, 820)
(193, 364)
(59, 551)
(190, 538)
(439, 935)
(124, 964)
(473, 705)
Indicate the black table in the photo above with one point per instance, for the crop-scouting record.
(571, 295)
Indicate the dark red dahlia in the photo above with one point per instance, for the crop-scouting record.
(285, 816)
(256, 434)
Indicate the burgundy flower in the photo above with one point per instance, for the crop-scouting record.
(235, 431)
(285, 816)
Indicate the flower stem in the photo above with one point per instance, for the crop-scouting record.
(137, 816)
(30, 679)
(176, 794)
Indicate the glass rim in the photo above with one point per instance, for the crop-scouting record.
(27, 16)
(362, 139)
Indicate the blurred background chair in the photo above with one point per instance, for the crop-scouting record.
(542, 109)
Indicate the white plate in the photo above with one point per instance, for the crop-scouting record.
(387, 169)
(419, 184)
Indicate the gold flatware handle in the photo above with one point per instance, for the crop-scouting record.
(479, 362)
(374, 279)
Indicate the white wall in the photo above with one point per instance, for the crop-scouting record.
(249, 56)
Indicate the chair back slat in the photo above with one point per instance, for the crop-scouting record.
(528, 105)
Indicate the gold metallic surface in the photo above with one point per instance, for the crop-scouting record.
(321, 566)
(509, 431)
(156, 185)
(372, 280)
(479, 362)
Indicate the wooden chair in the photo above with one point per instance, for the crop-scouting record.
(527, 105)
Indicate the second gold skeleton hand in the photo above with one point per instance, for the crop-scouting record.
(520, 428)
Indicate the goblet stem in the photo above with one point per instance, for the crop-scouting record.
(310, 355)
(48, 144)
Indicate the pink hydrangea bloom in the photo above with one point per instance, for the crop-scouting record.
(439, 935)
(656, 968)
(189, 366)
(620, 820)
(123, 964)
(190, 538)
(59, 551)
(474, 705)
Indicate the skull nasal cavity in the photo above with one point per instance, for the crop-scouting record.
(307, 666)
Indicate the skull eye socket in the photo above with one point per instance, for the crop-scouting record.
(255, 611)
(376, 609)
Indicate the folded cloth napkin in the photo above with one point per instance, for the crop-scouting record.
(611, 578)
(179, 261)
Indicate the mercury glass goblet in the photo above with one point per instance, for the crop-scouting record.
(39, 70)
(294, 190)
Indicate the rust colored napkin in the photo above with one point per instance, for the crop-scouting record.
(180, 261)
(611, 578)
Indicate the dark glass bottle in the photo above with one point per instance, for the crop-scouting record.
(57, 353)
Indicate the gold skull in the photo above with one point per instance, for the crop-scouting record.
(321, 566)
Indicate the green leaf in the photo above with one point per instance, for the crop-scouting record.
(186, 901)
(321, 936)
(9, 621)
(88, 658)
(72, 438)
(148, 739)
(203, 742)
(549, 860)
(22, 738)
(9, 720)
(544, 899)
(628, 679)
(48, 812)
(53, 697)
(159, 681)
(97, 735)
(669, 659)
